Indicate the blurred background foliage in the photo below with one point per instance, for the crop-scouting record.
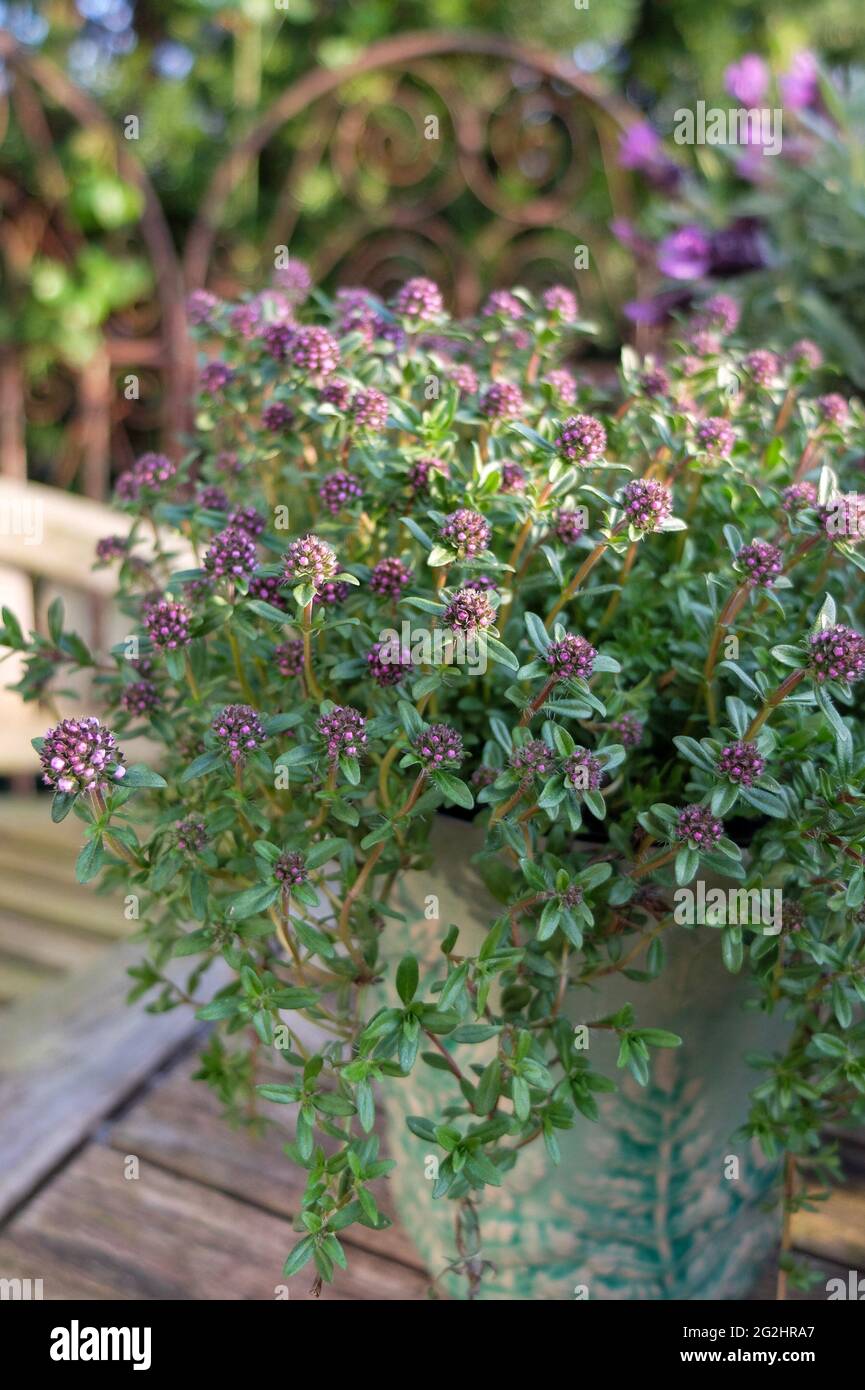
(198, 73)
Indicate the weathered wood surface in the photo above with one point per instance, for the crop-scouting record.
(93, 1233)
(68, 1056)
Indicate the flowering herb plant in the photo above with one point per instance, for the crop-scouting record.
(663, 589)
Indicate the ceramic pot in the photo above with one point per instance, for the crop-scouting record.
(646, 1204)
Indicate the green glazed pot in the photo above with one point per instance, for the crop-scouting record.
(646, 1204)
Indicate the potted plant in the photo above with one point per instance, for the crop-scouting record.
(507, 737)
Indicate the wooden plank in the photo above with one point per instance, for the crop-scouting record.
(45, 945)
(20, 978)
(68, 1055)
(92, 1233)
(836, 1229)
(179, 1126)
(66, 906)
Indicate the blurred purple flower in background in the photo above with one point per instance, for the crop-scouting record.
(748, 80)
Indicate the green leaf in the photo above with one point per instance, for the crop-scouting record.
(299, 1255)
(90, 860)
(350, 769)
(203, 764)
(488, 1087)
(253, 901)
(687, 864)
(454, 788)
(61, 805)
(407, 978)
(140, 776)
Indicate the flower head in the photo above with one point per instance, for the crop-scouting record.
(201, 306)
(167, 624)
(464, 379)
(502, 400)
(717, 436)
(563, 384)
(294, 279)
(719, 313)
(215, 376)
(581, 439)
(231, 554)
(387, 664)
(837, 654)
(582, 771)
(213, 498)
(572, 658)
(335, 392)
(140, 698)
(503, 305)
(343, 730)
(805, 353)
(761, 562)
(466, 532)
(628, 729)
(568, 526)
(561, 303)
(80, 755)
(240, 731)
(369, 409)
(420, 473)
(646, 503)
(833, 409)
(309, 558)
(247, 519)
(763, 366)
(290, 868)
(277, 417)
(190, 835)
(315, 352)
(420, 299)
(338, 490)
(697, 827)
(289, 657)
(798, 496)
(655, 381)
(747, 80)
(149, 473)
(685, 254)
(389, 577)
(268, 589)
(740, 763)
(513, 478)
(533, 760)
(111, 548)
(439, 746)
(469, 611)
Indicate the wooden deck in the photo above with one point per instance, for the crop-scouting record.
(209, 1213)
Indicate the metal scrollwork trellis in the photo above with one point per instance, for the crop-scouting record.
(464, 156)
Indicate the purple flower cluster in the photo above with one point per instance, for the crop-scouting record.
(513, 478)
(568, 526)
(357, 312)
(386, 666)
(338, 490)
(833, 409)
(309, 558)
(294, 279)
(697, 827)
(332, 592)
(469, 611)
(761, 562)
(572, 658)
(200, 306)
(464, 379)
(315, 352)
(628, 729)
(369, 409)
(646, 503)
(439, 746)
(215, 376)
(149, 473)
(805, 353)
(563, 384)
(533, 760)
(239, 730)
(717, 436)
(277, 417)
(190, 835)
(719, 313)
(290, 868)
(343, 729)
(268, 589)
(167, 624)
(762, 366)
(655, 381)
(335, 392)
(502, 304)
(419, 299)
(581, 439)
(212, 498)
(582, 771)
(466, 532)
(140, 698)
(798, 496)
(502, 400)
(247, 519)
(419, 473)
(561, 303)
(111, 548)
(231, 554)
(740, 763)
(289, 657)
(837, 654)
(389, 577)
(80, 755)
